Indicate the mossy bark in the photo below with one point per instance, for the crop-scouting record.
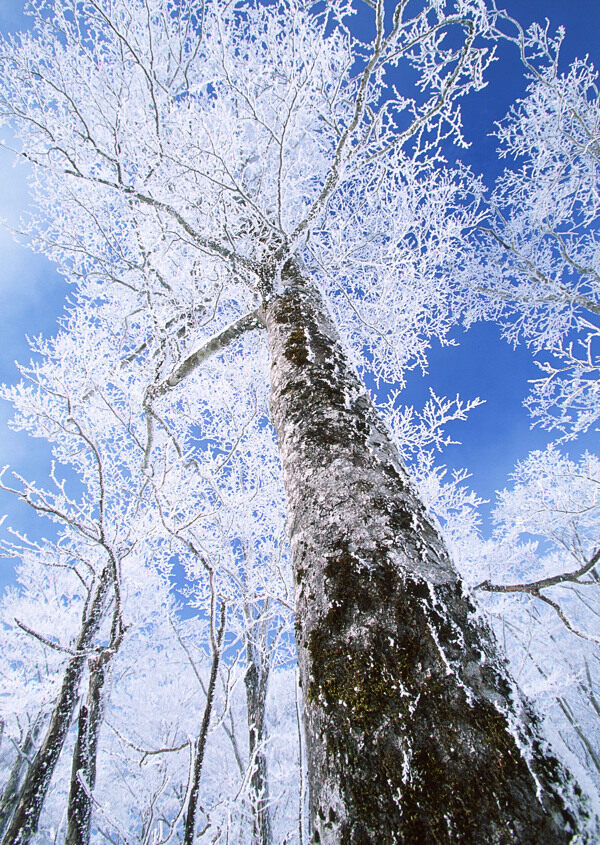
(415, 733)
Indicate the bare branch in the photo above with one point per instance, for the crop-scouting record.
(45, 640)
(234, 331)
(534, 587)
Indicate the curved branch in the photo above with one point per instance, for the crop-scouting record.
(534, 587)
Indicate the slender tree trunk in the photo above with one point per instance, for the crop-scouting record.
(35, 785)
(190, 816)
(301, 763)
(411, 720)
(256, 694)
(85, 754)
(10, 793)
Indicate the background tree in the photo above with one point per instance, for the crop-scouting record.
(537, 576)
(91, 547)
(34, 661)
(538, 272)
(537, 275)
(227, 534)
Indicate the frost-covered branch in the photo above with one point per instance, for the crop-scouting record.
(246, 323)
(536, 269)
(534, 587)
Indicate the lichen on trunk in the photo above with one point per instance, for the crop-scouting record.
(415, 732)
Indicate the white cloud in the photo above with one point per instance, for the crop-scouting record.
(31, 292)
(20, 268)
(14, 200)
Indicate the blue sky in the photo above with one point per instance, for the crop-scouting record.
(32, 294)
(498, 433)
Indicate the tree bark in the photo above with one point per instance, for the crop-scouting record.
(33, 791)
(190, 816)
(85, 754)
(415, 733)
(10, 793)
(256, 694)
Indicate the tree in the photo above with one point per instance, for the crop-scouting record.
(537, 259)
(10, 793)
(539, 571)
(239, 542)
(203, 172)
(90, 548)
(228, 512)
(33, 662)
(85, 754)
(538, 272)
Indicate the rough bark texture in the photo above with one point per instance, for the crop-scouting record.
(35, 785)
(85, 754)
(411, 721)
(256, 693)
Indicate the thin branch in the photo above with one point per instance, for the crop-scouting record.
(534, 587)
(246, 323)
(46, 641)
(146, 752)
(556, 607)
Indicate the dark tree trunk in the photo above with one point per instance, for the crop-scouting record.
(10, 793)
(85, 754)
(256, 694)
(190, 816)
(411, 720)
(35, 785)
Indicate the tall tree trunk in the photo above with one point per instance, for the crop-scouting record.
(85, 753)
(200, 746)
(35, 785)
(10, 793)
(414, 732)
(256, 694)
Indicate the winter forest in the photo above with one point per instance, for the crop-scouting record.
(252, 604)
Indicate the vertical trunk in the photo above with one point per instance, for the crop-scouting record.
(301, 764)
(85, 754)
(410, 718)
(256, 693)
(35, 785)
(10, 793)
(190, 816)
